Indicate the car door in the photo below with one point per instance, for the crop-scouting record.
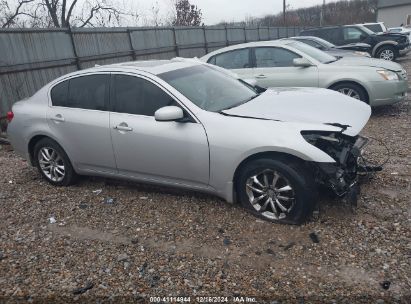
(170, 152)
(78, 118)
(274, 67)
(353, 35)
(239, 61)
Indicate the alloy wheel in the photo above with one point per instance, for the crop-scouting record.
(51, 164)
(387, 55)
(350, 92)
(270, 194)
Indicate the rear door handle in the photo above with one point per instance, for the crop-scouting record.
(261, 76)
(123, 127)
(58, 118)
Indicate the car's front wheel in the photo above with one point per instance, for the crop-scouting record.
(53, 163)
(276, 190)
(352, 90)
(386, 53)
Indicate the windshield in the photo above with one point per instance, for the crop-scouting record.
(209, 89)
(367, 30)
(313, 52)
(324, 42)
(376, 28)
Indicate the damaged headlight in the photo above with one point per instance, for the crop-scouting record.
(335, 144)
(313, 138)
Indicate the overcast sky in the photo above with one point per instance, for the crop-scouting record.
(215, 11)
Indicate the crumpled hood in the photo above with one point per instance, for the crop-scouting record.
(307, 105)
(371, 62)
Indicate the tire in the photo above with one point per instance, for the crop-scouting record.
(300, 199)
(386, 53)
(53, 163)
(351, 89)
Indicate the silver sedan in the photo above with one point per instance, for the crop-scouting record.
(288, 63)
(187, 124)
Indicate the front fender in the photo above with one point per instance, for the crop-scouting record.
(380, 44)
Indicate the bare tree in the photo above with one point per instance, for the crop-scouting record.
(186, 14)
(9, 14)
(335, 13)
(154, 17)
(60, 13)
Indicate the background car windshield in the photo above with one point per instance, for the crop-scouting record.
(313, 52)
(209, 89)
(367, 30)
(324, 42)
(376, 28)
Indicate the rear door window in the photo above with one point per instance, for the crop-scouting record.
(330, 34)
(237, 59)
(135, 95)
(59, 94)
(84, 92)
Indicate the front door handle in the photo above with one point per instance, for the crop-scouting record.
(123, 127)
(261, 76)
(58, 118)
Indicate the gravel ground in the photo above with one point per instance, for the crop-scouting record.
(164, 242)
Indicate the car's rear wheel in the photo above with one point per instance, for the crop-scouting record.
(53, 163)
(278, 191)
(352, 90)
(386, 53)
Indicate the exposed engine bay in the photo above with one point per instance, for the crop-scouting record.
(343, 175)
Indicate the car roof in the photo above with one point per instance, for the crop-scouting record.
(154, 67)
(370, 23)
(303, 37)
(280, 42)
(331, 27)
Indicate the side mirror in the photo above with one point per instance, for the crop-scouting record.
(171, 113)
(302, 62)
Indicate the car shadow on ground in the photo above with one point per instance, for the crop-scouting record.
(327, 205)
(392, 110)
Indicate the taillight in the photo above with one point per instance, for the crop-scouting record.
(10, 116)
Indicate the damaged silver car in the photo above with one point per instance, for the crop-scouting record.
(187, 124)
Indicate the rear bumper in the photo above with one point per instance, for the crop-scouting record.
(387, 92)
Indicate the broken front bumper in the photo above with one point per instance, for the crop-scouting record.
(342, 176)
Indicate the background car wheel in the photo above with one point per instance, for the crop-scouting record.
(53, 163)
(278, 191)
(386, 53)
(351, 89)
